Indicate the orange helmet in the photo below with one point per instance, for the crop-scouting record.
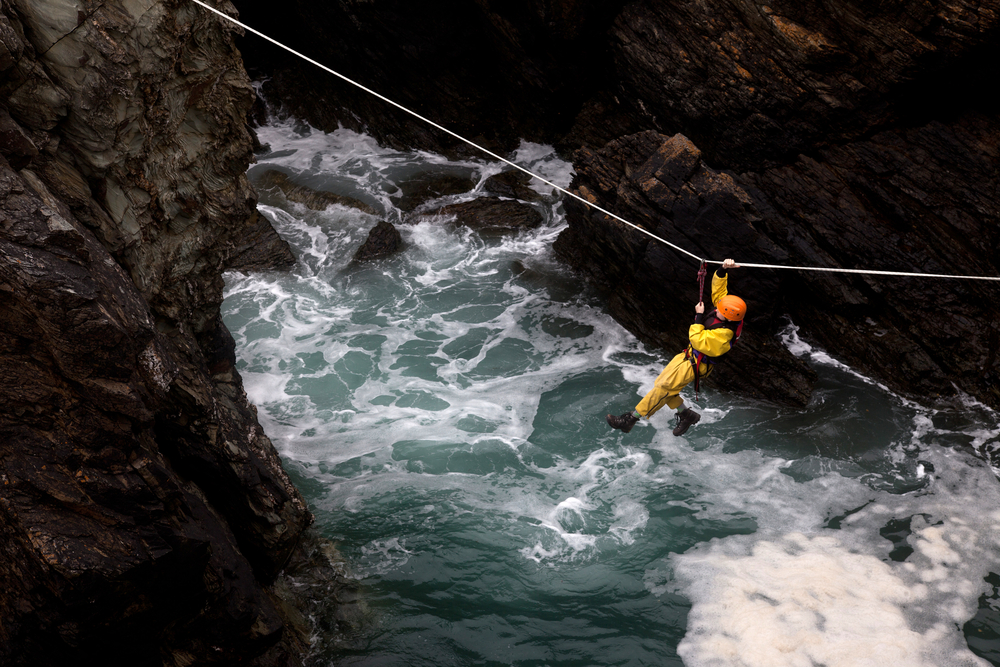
(732, 307)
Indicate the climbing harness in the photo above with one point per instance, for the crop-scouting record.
(696, 358)
(566, 192)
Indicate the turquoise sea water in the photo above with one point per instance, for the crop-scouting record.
(443, 413)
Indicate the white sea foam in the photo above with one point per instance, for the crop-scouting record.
(801, 591)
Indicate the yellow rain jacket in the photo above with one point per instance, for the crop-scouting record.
(713, 342)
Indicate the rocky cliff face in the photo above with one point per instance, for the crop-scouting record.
(852, 135)
(143, 511)
(841, 134)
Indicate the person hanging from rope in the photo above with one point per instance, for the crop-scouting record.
(711, 336)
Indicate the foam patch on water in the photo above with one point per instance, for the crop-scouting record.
(543, 161)
(600, 507)
(801, 601)
(381, 556)
(832, 597)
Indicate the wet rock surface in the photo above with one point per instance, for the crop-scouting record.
(319, 591)
(922, 199)
(317, 200)
(383, 240)
(143, 511)
(261, 249)
(422, 188)
(512, 184)
(492, 214)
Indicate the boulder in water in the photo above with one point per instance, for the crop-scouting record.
(513, 184)
(425, 187)
(318, 200)
(383, 240)
(493, 214)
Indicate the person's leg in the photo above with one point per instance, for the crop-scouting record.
(674, 377)
(686, 417)
(666, 391)
(667, 388)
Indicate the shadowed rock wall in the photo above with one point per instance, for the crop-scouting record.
(143, 511)
(860, 138)
(856, 208)
(756, 83)
(493, 71)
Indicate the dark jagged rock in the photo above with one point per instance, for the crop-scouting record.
(107, 542)
(753, 84)
(492, 214)
(857, 208)
(512, 184)
(142, 507)
(15, 144)
(383, 240)
(262, 249)
(923, 200)
(317, 200)
(425, 187)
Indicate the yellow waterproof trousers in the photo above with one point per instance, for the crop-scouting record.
(677, 375)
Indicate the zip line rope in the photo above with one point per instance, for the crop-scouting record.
(701, 260)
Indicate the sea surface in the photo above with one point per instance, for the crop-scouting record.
(442, 411)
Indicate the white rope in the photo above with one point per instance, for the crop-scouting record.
(862, 271)
(560, 189)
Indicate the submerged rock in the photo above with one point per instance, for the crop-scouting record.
(317, 200)
(513, 184)
(425, 187)
(383, 240)
(320, 593)
(492, 214)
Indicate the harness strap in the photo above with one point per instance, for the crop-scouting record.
(702, 272)
(696, 358)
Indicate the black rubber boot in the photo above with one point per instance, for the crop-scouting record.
(623, 423)
(686, 420)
